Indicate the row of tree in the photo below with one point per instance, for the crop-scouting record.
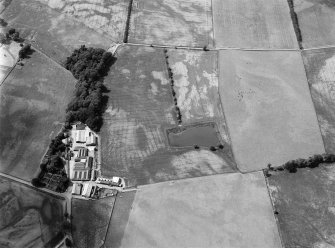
(170, 74)
(311, 162)
(89, 66)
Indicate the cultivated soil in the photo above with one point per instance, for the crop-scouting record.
(90, 221)
(253, 24)
(171, 22)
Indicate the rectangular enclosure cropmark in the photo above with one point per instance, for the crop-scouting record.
(269, 110)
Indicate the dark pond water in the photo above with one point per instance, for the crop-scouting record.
(201, 136)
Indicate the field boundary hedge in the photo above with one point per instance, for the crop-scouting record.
(293, 165)
(170, 74)
(295, 22)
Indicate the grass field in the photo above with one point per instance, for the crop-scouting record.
(172, 22)
(28, 217)
(305, 203)
(32, 106)
(316, 20)
(106, 17)
(268, 107)
(54, 33)
(320, 68)
(90, 221)
(231, 210)
(253, 24)
(140, 108)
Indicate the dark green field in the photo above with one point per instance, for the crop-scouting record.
(90, 221)
(305, 203)
(32, 107)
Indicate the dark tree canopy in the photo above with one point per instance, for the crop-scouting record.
(89, 66)
(24, 51)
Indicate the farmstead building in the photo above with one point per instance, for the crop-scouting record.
(82, 152)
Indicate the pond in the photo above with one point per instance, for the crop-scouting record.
(205, 135)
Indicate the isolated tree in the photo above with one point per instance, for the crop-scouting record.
(24, 51)
(68, 242)
(3, 23)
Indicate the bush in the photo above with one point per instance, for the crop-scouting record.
(3, 23)
(212, 148)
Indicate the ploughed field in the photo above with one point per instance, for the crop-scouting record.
(53, 32)
(253, 24)
(305, 204)
(33, 99)
(171, 22)
(29, 218)
(90, 221)
(106, 17)
(141, 107)
(320, 69)
(268, 107)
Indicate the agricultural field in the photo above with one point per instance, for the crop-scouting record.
(32, 106)
(119, 219)
(195, 76)
(56, 34)
(305, 204)
(230, 210)
(9, 54)
(320, 69)
(315, 21)
(90, 221)
(29, 218)
(140, 108)
(106, 17)
(268, 106)
(172, 22)
(253, 24)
